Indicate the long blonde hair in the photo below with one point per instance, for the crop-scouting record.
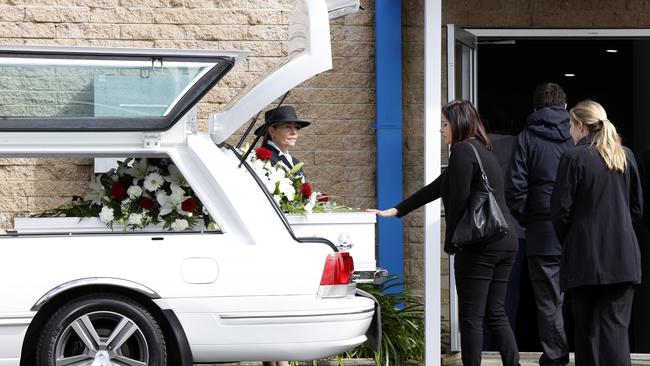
(606, 139)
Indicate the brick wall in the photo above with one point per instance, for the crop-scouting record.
(338, 149)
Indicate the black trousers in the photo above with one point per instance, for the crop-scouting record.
(481, 283)
(544, 271)
(602, 316)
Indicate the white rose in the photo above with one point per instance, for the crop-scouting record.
(179, 225)
(134, 192)
(106, 215)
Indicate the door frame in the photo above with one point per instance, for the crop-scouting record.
(497, 34)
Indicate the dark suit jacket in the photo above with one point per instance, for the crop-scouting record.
(593, 209)
(454, 186)
(276, 157)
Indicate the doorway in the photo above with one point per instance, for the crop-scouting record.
(608, 66)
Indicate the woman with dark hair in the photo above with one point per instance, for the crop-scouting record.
(281, 134)
(482, 271)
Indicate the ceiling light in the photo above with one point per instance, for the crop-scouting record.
(569, 75)
(612, 51)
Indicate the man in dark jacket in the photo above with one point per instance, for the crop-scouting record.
(528, 192)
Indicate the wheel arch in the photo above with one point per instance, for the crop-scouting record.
(178, 349)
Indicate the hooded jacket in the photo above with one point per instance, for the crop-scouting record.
(532, 174)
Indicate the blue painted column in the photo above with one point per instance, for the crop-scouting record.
(388, 62)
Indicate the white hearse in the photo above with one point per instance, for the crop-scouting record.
(249, 290)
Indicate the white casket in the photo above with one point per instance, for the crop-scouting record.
(353, 232)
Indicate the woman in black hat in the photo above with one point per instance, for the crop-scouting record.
(282, 126)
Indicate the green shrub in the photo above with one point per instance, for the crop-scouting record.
(402, 324)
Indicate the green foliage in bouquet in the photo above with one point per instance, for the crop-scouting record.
(402, 323)
(139, 192)
(289, 188)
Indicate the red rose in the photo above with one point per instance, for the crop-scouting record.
(146, 202)
(154, 161)
(189, 205)
(306, 190)
(118, 191)
(263, 153)
(323, 198)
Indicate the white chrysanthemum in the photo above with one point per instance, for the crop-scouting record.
(139, 169)
(286, 188)
(180, 225)
(135, 219)
(175, 177)
(153, 181)
(97, 191)
(106, 215)
(134, 192)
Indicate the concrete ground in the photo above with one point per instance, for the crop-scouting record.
(489, 359)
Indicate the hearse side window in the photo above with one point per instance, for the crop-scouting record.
(138, 195)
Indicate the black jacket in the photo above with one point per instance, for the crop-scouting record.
(593, 209)
(531, 178)
(454, 186)
(502, 148)
(276, 158)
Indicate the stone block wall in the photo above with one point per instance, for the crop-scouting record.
(338, 148)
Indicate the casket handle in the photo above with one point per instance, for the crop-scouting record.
(343, 242)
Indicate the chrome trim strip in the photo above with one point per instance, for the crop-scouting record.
(226, 316)
(16, 319)
(94, 281)
(348, 290)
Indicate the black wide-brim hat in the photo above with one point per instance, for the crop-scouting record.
(285, 113)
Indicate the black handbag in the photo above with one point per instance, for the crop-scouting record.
(483, 220)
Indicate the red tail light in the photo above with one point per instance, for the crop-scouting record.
(338, 269)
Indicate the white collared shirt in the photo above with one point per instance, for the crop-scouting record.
(280, 153)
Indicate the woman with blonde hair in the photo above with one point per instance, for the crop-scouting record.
(596, 199)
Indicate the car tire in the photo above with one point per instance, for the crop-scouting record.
(99, 328)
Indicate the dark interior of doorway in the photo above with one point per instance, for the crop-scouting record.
(507, 76)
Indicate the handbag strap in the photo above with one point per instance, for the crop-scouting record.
(480, 164)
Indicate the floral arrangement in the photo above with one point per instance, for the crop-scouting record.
(289, 188)
(150, 191)
(139, 192)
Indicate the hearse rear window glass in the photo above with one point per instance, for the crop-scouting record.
(86, 91)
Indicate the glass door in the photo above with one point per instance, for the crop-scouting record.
(461, 84)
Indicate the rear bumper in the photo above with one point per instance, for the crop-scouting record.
(272, 328)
